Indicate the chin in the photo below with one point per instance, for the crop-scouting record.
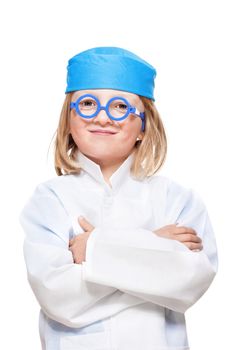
(100, 153)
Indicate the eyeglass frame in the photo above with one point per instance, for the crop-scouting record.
(131, 109)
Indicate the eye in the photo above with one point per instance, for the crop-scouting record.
(120, 106)
(87, 104)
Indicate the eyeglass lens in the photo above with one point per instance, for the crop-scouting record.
(117, 108)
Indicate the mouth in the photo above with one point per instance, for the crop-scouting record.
(102, 132)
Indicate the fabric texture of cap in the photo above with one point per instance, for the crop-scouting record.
(110, 68)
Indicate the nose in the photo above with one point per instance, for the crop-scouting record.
(103, 118)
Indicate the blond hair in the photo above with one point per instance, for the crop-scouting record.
(150, 151)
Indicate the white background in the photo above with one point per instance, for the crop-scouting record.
(190, 45)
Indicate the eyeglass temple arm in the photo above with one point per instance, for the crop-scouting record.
(139, 114)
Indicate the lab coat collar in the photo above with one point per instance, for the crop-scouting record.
(94, 170)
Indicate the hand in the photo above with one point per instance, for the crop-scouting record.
(77, 245)
(185, 235)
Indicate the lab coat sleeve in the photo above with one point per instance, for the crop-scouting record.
(54, 278)
(160, 270)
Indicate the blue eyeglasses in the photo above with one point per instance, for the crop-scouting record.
(117, 108)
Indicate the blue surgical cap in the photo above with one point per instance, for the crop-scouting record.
(110, 68)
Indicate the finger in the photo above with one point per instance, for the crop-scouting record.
(78, 259)
(188, 237)
(72, 240)
(71, 249)
(194, 246)
(87, 226)
(184, 229)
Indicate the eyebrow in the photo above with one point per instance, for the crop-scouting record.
(120, 93)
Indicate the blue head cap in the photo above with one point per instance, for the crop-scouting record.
(110, 68)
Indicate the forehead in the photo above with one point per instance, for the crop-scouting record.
(108, 93)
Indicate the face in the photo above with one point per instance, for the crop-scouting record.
(105, 146)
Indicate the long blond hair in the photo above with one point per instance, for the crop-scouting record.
(151, 151)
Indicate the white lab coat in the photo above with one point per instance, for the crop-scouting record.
(134, 287)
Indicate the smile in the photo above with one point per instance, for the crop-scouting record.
(103, 133)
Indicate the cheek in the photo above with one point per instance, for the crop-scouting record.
(77, 124)
(78, 129)
(131, 129)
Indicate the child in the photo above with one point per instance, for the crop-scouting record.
(121, 277)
